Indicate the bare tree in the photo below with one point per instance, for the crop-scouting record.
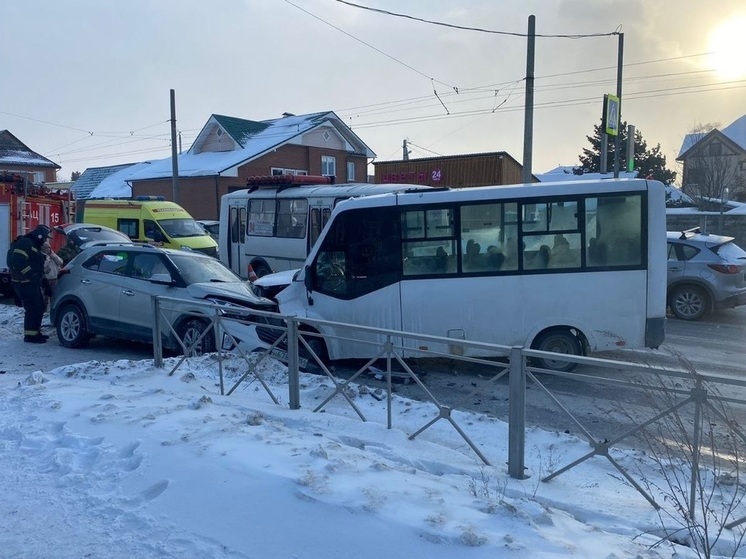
(699, 456)
(712, 172)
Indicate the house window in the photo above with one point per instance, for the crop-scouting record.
(350, 172)
(328, 166)
(715, 148)
(282, 171)
(743, 165)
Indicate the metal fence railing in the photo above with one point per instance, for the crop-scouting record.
(674, 391)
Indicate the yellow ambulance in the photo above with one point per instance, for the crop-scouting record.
(151, 219)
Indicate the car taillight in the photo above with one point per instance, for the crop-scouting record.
(726, 268)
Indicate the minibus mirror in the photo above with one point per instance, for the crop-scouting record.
(308, 279)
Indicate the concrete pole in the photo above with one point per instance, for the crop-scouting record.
(174, 149)
(528, 125)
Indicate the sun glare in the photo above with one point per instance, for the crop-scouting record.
(728, 48)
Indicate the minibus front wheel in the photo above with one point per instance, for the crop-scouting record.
(558, 340)
(319, 348)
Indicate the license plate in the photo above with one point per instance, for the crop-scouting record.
(227, 344)
(282, 355)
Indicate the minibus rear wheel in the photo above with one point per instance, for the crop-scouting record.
(558, 341)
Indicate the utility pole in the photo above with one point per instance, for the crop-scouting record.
(405, 151)
(618, 137)
(528, 124)
(174, 149)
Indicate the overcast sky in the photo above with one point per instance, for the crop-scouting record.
(88, 81)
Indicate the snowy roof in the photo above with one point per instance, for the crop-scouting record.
(14, 152)
(252, 138)
(566, 173)
(735, 132)
(116, 184)
(94, 176)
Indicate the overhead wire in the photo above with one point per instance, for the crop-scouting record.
(477, 29)
(390, 107)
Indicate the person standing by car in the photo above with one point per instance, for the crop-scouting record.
(26, 262)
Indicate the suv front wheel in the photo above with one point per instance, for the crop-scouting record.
(191, 331)
(71, 327)
(689, 302)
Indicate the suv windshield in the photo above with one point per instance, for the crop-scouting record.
(202, 270)
(185, 227)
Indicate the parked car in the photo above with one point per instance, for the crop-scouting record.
(211, 226)
(74, 237)
(107, 290)
(705, 273)
(270, 285)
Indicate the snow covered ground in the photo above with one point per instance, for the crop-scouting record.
(117, 459)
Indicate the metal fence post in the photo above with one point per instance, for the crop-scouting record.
(516, 414)
(293, 372)
(216, 331)
(157, 347)
(700, 396)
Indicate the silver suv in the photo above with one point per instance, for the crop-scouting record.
(705, 273)
(107, 290)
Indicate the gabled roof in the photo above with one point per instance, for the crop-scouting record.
(93, 177)
(734, 132)
(239, 129)
(254, 140)
(14, 152)
(737, 132)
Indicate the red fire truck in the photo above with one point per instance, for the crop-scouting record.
(23, 206)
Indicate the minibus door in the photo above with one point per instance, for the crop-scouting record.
(236, 239)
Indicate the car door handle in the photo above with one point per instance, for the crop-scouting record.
(675, 269)
(85, 281)
(128, 292)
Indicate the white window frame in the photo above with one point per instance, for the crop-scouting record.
(350, 171)
(274, 171)
(328, 166)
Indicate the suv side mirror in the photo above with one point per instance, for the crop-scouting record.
(161, 278)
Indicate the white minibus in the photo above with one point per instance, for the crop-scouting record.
(272, 225)
(570, 267)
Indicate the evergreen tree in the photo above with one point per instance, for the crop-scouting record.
(648, 163)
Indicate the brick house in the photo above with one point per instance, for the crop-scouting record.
(16, 157)
(229, 150)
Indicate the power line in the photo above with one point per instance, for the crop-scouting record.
(379, 51)
(477, 29)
